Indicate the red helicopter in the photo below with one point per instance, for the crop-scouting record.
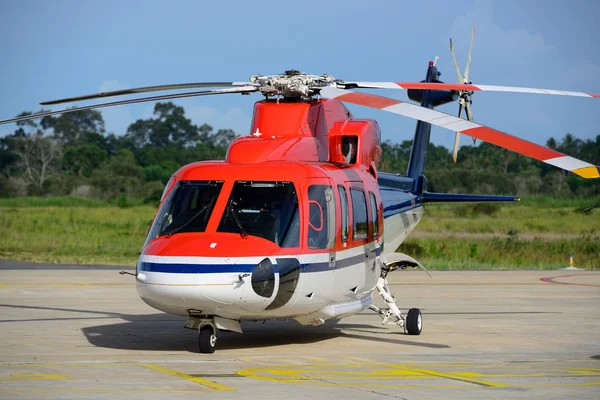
(297, 222)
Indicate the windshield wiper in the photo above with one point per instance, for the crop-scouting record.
(174, 231)
(237, 219)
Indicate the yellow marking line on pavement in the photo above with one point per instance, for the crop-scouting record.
(409, 363)
(456, 377)
(100, 390)
(316, 374)
(89, 364)
(35, 377)
(195, 379)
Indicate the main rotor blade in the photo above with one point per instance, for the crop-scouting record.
(458, 75)
(468, 67)
(146, 89)
(468, 128)
(242, 90)
(460, 86)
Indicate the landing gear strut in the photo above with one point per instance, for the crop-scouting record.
(413, 323)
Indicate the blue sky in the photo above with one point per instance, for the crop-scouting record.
(54, 49)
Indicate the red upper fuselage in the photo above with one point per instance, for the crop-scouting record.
(307, 144)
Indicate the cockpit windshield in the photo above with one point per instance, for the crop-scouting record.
(187, 208)
(265, 209)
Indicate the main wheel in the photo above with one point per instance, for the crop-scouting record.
(414, 322)
(207, 339)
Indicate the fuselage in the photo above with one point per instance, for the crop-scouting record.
(293, 223)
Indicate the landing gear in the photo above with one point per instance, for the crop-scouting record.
(207, 338)
(207, 330)
(413, 323)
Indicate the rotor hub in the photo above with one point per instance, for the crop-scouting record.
(292, 84)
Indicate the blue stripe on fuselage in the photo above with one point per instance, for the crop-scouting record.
(243, 268)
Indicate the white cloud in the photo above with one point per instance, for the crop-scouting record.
(234, 118)
(501, 45)
(583, 75)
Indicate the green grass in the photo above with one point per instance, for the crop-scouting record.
(62, 201)
(82, 235)
(550, 216)
(509, 253)
(538, 233)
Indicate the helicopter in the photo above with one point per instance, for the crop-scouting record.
(297, 222)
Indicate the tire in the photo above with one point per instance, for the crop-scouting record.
(207, 340)
(414, 322)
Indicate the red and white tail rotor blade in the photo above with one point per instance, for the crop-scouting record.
(462, 86)
(241, 90)
(468, 128)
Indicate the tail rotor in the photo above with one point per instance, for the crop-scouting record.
(465, 98)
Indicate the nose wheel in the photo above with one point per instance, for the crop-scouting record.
(207, 338)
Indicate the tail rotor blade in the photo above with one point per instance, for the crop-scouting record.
(455, 151)
(458, 75)
(470, 116)
(457, 137)
(241, 90)
(468, 67)
(469, 112)
(145, 89)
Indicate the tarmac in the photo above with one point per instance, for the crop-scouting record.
(73, 332)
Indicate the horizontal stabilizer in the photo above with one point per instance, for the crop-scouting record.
(460, 198)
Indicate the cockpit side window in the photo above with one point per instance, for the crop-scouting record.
(187, 208)
(167, 186)
(321, 219)
(265, 209)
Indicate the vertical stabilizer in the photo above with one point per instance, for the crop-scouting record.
(428, 99)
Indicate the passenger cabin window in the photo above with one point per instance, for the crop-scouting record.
(359, 215)
(321, 218)
(375, 220)
(265, 209)
(344, 212)
(187, 208)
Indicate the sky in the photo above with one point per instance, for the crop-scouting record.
(62, 48)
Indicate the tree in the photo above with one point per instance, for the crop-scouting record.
(37, 155)
(82, 159)
(170, 127)
(76, 128)
(120, 176)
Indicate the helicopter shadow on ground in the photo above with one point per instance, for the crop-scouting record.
(163, 332)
